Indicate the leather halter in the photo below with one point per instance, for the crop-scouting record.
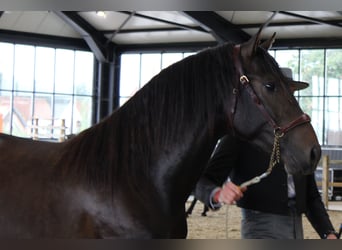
(243, 79)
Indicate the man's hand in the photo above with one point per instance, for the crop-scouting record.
(331, 237)
(229, 193)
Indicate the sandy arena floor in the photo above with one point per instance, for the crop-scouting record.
(225, 223)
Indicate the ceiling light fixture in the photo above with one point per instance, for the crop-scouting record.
(101, 14)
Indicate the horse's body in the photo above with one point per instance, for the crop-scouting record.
(130, 175)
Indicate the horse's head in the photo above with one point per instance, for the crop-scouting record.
(266, 108)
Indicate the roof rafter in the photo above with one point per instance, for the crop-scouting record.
(219, 27)
(96, 41)
(179, 25)
(284, 24)
(311, 19)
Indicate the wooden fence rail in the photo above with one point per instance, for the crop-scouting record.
(35, 127)
(325, 183)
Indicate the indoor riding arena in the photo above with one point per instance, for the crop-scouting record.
(113, 123)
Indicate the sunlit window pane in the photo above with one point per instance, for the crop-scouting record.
(23, 67)
(288, 59)
(150, 66)
(137, 69)
(272, 53)
(333, 121)
(43, 106)
(123, 100)
(170, 58)
(189, 54)
(334, 72)
(30, 77)
(64, 78)
(45, 69)
(5, 111)
(81, 114)
(6, 66)
(84, 70)
(22, 113)
(63, 109)
(312, 71)
(130, 74)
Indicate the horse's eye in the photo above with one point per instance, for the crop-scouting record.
(270, 86)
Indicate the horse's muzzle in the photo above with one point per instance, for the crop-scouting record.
(309, 166)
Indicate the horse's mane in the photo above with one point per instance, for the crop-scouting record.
(125, 144)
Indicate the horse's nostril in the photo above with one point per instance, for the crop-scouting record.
(315, 155)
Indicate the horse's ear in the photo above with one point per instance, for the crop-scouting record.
(249, 48)
(268, 43)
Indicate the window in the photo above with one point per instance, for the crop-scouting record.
(48, 84)
(138, 69)
(322, 99)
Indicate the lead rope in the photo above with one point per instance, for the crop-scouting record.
(274, 159)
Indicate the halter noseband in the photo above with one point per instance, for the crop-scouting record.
(243, 79)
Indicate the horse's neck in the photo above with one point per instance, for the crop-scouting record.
(177, 178)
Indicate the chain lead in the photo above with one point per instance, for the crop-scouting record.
(275, 156)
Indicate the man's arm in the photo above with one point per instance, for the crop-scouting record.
(210, 189)
(316, 212)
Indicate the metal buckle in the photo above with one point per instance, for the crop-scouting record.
(244, 79)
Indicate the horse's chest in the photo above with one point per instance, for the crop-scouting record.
(97, 216)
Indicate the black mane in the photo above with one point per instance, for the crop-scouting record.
(125, 144)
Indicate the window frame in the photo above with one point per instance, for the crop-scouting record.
(12, 93)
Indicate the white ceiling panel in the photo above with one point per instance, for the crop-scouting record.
(245, 17)
(125, 26)
(172, 16)
(312, 31)
(53, 25)
(111, 20)
(137, 22)
(250, 17)
(162, 37)
(325, 15)
(39, 22)
(142, 23)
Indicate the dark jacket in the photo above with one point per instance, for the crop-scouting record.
(242, 161)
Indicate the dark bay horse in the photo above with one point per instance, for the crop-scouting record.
(130, 175)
